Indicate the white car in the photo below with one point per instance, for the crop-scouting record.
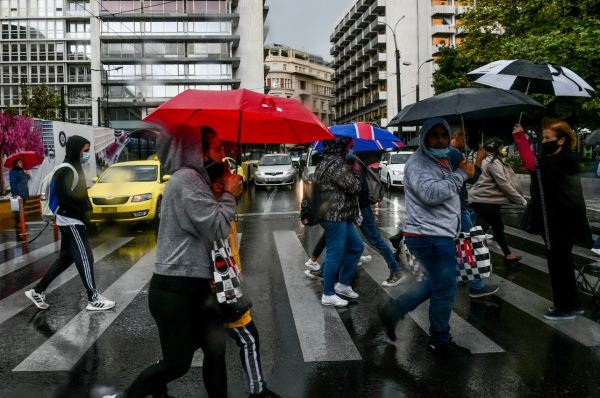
(313, 159)
(275, 170)
(392, 168)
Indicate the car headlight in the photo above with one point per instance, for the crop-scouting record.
(142, 197)
(291, 171)
(397, 173)
(258, 173)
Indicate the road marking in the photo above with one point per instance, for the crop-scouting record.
(17, 302)
(23, 260)
(397, 205)
(270, 201)
(580, 251)
(322, 335)
(64, 349)
(273, 213)
(463, 332)
(7, 245)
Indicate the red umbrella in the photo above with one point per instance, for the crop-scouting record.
(243, 116)
(30, 159)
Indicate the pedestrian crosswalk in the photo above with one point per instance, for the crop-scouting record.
(322, 332)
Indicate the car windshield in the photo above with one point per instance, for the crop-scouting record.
(276, 160)
(256, 155)
(315, 158)
(130, 174)
(295, 153)
(400, 158)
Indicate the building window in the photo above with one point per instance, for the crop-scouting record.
(323, 106)
(314, 104)
(441, 40)
(275, 66)
(326, 76)
(302, 85)
(284, 66)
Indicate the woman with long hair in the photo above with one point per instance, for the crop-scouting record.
(19, 178)
(558, 210)
(497, 185)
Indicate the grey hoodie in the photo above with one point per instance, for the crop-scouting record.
(191, 218)
(432, 191)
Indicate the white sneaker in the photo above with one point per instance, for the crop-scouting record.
(334, 301)
(314, 265)
(345, 290)
(364, 259)
(596, 251)
(38, 299)
(110, 396)
(100, 304)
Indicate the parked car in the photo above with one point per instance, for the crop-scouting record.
(392, 168)
(275, 170)
(313, 158)
(295, 154)
(128, 191)
(302, 165)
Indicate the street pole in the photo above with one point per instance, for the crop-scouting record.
(107, 122)
(62, 102)
(99, 111)
(398, 83)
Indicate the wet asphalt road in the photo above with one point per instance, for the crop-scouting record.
(520, 356)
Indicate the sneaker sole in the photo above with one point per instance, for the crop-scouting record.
(30, 297)
(562, 318)
(478, 295)
(99, 309)
(579, 312)
(314, 267)
(345, 295)
(334, 305)
(312, 276)
(387, 284)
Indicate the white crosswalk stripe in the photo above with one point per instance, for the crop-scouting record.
(17, 302)
(25, 259)
(7, 245)
(62, 351)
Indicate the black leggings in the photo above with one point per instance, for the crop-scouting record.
(490, 216)
(320, 246)
(562, 276)
(185, 323)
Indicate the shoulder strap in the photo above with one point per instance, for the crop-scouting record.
(75, 173)
(326, 167)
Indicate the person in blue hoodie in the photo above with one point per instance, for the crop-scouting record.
(433, 213)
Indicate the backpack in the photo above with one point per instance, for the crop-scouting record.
(375, 187)
(49, 200)
(312, 207)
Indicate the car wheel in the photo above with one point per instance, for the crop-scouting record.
(158, 211)
(389, 183)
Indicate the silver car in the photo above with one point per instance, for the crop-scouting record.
(275, 170)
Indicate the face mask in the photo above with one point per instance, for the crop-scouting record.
(350, 155)
(85, 157)
(438, 153)
(549, 147)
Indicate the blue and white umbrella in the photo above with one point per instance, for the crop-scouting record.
(366, 137)
(361, 145)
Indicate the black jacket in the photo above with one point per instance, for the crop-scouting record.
(73, 203)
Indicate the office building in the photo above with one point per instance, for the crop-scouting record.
(297, 74)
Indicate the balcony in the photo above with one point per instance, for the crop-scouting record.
(436, 48)
(443, 10)
(379, 41)
(361, 5)
(442, 29)
(377, 7)
(461, 10)
(380, 96)
(379, 59)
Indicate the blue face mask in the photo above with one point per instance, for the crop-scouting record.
(350, 154)
(85, 157)
(438, 153)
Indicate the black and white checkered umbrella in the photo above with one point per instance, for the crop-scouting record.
(532, 77)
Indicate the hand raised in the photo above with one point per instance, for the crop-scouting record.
(467, 167)
(517, 128)
(233, 184)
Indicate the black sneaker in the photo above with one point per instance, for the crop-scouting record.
(396, 239)
(557, 315)
(314, 274)
(394, 279)
(487, 290)
(577, 311)
(450, 349)
(389, 316)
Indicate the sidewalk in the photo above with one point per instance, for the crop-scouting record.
(591, 193)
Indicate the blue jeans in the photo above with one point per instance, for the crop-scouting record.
(597, 244)
(370, 232)
(437, 256)
(465, 226)
(344, 248)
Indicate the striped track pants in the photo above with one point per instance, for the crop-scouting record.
(246, 338)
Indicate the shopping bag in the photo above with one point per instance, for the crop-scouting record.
(413, 264)
(14, 204)
(228, 287)
(472, 255)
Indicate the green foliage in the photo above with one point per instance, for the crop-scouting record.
(10, 110)
(563, 32)
(40, 102)
(517, 165)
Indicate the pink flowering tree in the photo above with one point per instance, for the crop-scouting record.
(17, 133)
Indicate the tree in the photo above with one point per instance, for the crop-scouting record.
(40, 102)
(10, 110)
(17, 133)
(563, 32)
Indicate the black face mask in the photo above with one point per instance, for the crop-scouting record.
(549, 147)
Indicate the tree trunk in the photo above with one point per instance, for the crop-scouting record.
(2, 184)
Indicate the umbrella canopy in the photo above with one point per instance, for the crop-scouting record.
(414, 142)
(30, 159)
(532, 77)
(361, 145)
(363, 131)
(465, 104)
(593, 138)
(243, 116)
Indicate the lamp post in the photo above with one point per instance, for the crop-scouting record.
(106, 120)
(407, 63)
(398, 83)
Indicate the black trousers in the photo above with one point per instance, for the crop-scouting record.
(489, 215)
(74, 247)
(562, 276)
(321, 244)
(185, 323)
(246, 338)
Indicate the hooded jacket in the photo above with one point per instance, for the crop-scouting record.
(72, 203)
(339, 186)
(432, 191)
(191, 218)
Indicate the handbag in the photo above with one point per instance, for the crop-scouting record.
(14, 204)
(313, 205)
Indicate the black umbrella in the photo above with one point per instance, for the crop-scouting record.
(465, 104)
(593, 138)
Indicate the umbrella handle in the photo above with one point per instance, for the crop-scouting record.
(526, 92)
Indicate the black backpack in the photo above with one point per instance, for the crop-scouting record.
(376, 190)
(313, 206)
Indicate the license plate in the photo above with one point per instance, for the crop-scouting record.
(270, 179)
(109, 210)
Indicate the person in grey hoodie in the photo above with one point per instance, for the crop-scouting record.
(180, 298)
(432, 187)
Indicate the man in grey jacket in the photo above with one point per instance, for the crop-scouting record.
(432, 189)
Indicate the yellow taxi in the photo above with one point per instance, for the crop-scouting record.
(128, 191)
(241, 170)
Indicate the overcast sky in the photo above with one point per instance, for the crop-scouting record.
(304, 24)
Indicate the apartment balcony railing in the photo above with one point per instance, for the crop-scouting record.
(441, 29)
(443, 10)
